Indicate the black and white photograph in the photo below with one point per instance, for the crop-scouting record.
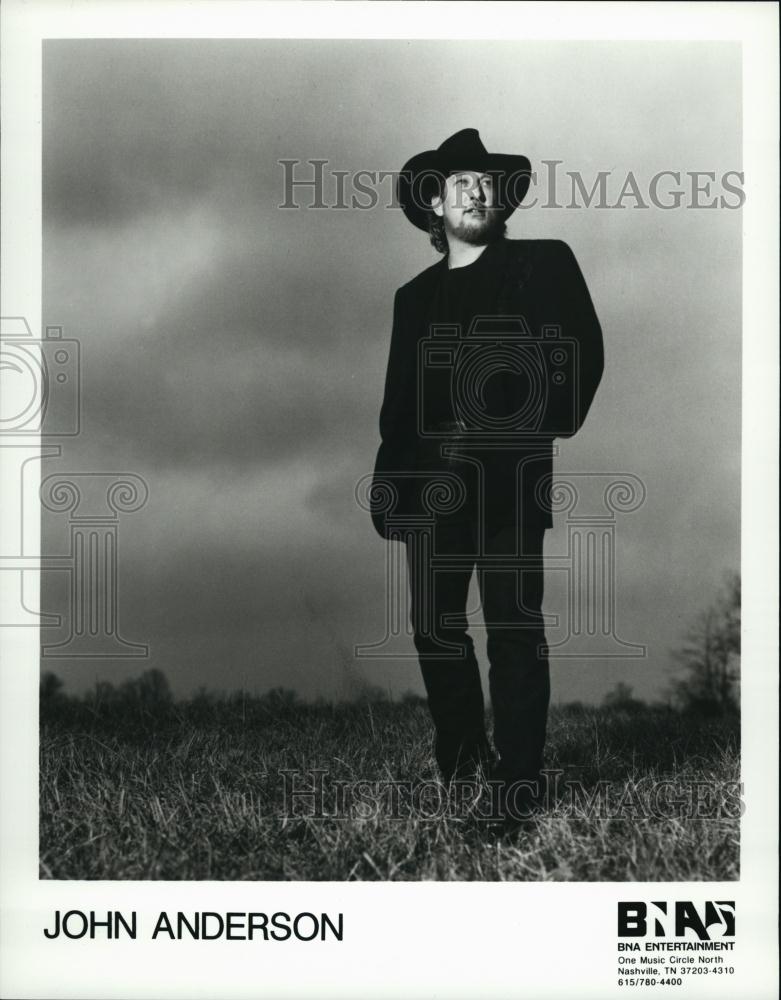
(386, 493)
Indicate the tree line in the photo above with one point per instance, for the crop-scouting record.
(706, 677)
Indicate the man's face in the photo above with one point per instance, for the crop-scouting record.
(468, 208)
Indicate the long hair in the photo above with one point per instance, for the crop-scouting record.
(436, 232)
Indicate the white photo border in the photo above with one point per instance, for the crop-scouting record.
(559, 939)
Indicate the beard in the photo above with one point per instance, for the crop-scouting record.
(479, 230)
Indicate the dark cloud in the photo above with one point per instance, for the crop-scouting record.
(171, 412)
(131, 125)
(120, 131)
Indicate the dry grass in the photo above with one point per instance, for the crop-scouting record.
(193, 791)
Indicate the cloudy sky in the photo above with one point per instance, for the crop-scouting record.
(233, 353)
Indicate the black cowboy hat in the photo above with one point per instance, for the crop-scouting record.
(421, 177)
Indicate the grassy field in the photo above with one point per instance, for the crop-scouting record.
(146, 788)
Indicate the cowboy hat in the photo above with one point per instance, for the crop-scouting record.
(421, 177)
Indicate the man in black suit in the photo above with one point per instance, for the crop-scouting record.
(495, 351)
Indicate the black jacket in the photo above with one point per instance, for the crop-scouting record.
(543, 316)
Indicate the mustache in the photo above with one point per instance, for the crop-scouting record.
(486, 210)
(470, 203)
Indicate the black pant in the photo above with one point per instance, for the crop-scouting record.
(510, 577)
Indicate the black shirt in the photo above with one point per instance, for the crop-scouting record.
(462, 295)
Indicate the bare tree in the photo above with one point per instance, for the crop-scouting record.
(51, 687)
(710, 656)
